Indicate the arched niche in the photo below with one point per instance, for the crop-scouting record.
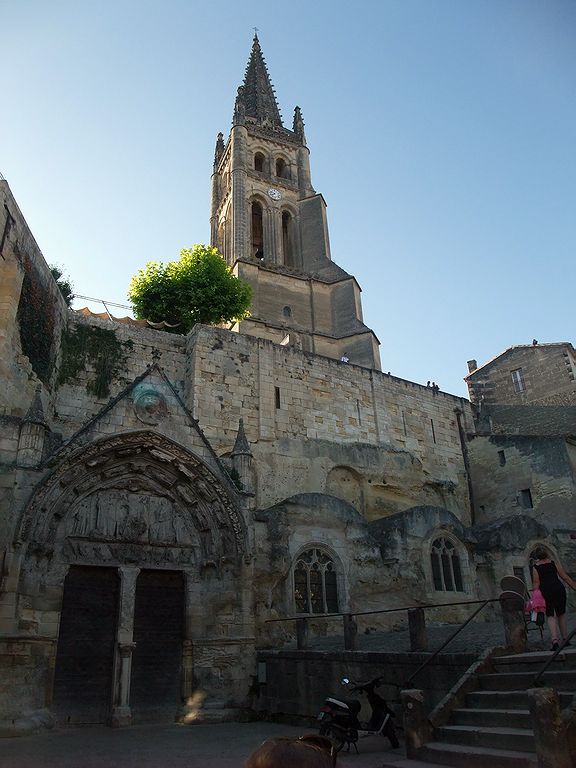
(346, 484)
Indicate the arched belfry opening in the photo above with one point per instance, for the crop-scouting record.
(282, 169)
(259, 162)
(288, 249)
(257, 230)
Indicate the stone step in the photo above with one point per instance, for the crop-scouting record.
(513, 718)
(560, 680)
(506, 699)
(526, 662)
(442, 753)
(520, 739)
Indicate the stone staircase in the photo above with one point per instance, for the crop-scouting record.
(491, 726)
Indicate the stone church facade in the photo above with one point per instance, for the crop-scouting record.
(162, 497)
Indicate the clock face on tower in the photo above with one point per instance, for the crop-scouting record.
(275, 194)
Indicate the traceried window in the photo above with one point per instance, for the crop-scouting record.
(518, 380)
(315, 583)
(446, 570)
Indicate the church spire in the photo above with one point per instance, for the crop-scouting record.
(257, 93)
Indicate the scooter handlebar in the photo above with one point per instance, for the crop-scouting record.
(368, 686)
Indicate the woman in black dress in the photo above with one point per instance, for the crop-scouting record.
(547, 576)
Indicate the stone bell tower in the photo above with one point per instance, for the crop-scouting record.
(271, 227)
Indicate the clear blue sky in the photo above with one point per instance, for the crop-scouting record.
(442, 135)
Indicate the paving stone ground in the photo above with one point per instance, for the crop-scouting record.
(227, 745)
(224, 745)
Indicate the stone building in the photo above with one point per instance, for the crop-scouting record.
(526, 374)
(163, 496)
(523, 457)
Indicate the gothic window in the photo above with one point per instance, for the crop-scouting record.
(288, 239)
(259, 162)
(257, 231)
(518, 381)
(315, 583)
(282, 170)
(446, 569)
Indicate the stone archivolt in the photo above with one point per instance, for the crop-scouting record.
(136, 495)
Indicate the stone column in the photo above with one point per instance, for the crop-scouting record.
(194, 612)
(121, 712)
(550, 729)
(417, 728)
(279, 255)
(239, 208)
(270, 249)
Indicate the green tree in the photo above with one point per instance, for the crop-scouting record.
(63, 282)
(199, 288)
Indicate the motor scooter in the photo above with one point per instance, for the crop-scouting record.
(338, 718)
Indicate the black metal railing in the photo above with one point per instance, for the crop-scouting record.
(538, 677)
(416, 624)
(446, 643)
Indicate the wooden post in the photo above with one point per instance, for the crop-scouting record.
(350, 632)
(417, 628)
(301, 634)
(514, 625)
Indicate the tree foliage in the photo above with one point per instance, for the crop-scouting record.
(198, 288)
(64, 284)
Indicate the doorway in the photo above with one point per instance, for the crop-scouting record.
(155, 692)
(85, 652)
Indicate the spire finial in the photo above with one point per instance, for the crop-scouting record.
(258, 94)
(241, 446)
(36, 411)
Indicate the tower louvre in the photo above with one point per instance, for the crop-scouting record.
(271, 227)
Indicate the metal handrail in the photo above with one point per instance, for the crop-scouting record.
(316, 616)
(537, 678)
(452, 636)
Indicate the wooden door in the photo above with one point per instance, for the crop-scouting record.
(86, 641)
(155, 691)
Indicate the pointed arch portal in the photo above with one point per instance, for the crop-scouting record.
(132, 535)
(99, 494)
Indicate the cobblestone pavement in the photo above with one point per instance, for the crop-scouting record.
(225, 745)
(475, 637)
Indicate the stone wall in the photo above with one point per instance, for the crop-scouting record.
(27, 289)
(294, 684)
(295, 405)
(509, 472)
(309, 420)
(25, 674)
